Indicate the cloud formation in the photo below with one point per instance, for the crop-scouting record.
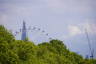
(74, 30)
(90, 28)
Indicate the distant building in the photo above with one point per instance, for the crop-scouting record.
(24, 31)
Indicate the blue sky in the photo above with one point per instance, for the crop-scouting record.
(62, 19)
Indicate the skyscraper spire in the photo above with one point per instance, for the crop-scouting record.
(24, 31)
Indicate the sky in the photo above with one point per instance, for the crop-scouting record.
(65, 20)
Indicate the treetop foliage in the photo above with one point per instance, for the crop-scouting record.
(5, 35)
(25, 52)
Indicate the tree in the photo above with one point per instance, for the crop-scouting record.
(5, 35)
(25, 52)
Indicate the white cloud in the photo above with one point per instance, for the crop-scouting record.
(74, 30)
(91, 28)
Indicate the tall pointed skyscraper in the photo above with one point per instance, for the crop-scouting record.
(24, 31)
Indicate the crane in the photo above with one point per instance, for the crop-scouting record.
(89, 44)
